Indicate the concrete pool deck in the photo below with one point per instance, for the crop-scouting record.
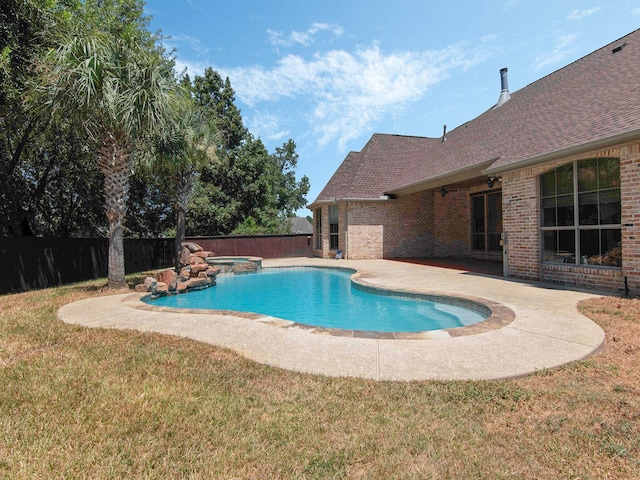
(546, 331)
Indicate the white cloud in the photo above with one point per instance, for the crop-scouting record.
(580, 14)
(635, 12)
(561, 51)
(349, 92)
(279, 39)
(190, 67)
(268, 124)
(195, 44)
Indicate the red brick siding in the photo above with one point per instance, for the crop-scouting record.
(452, 224)
(394, 229)
(609, 279)
(630, 191)
(423, 225)
(520, 214)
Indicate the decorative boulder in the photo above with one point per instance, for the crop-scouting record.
(195, 273)
(167, 276)
(212, 271)
(197, 283)
(193, 247)
(185, 256)
(160, 289)
(147, 286)
(199, 267)
(196, 260)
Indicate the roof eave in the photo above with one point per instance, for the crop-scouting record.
(455, 176)
(630, 136)
(318, 203)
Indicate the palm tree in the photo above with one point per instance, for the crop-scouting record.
(181, 148)
(119, 89)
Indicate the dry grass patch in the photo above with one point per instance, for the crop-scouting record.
(91, 403)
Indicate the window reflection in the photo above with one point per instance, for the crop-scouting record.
(589, 190)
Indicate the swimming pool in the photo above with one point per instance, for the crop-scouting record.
(326, 297)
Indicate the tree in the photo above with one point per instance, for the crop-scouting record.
(180, 149)
(217, 98)
(291, 194)
(247, 189)
(21, 22)
(47, 171)
(119, 89)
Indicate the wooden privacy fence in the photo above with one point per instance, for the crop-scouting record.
(265, 246)
(28, 263)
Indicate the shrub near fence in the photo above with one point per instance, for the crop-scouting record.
(28, 263)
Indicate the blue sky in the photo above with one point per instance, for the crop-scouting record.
(329, 74)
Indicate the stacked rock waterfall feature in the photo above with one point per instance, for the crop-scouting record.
(195, 274)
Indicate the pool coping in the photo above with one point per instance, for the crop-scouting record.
(498, 315)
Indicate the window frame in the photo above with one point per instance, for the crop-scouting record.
(576, 229)
(486, 234)
(318, 229)
(334, 240)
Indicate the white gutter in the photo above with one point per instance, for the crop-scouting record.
(382, 198)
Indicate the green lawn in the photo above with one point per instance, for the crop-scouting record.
(85, 403)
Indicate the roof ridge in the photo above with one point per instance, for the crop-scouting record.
(568, 65)
(403, 135)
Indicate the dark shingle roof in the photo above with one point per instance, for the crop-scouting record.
(590, 102)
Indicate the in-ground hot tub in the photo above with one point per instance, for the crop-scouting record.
(235, 264)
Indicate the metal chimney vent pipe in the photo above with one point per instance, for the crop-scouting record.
(504, 85)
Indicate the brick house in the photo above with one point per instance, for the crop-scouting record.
(547, 180)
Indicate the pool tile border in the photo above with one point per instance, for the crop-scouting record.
(499, 316)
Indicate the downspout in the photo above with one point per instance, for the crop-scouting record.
(346, 230)
(505, 254)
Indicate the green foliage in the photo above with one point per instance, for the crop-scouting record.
(216, 98)
(149, 206)
(248, 190)
(20, 25)
(97, 63)
(49, 183)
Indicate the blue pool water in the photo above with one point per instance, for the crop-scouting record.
(321, 297)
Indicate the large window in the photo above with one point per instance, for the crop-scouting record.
(581, 213)
(318, 232)
(333, 227)
(487, 221)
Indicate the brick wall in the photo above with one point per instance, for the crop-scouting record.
(609, 279)
(419, 225)
(520, 213)
(399, 228)
(630, 196)
(452, 223)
